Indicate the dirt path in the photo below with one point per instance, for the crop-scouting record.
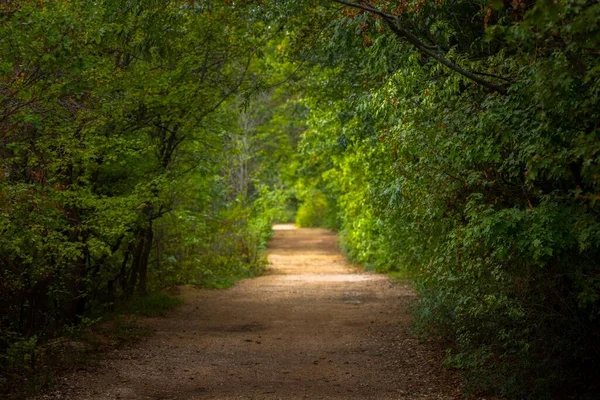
(312, 328)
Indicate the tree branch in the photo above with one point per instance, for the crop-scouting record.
(393, 21)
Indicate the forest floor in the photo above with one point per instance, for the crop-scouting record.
(312, 327)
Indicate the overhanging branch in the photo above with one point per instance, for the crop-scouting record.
(395, 24)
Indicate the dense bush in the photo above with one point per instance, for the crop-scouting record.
(313, 211)
(486, 192)
(217, 251)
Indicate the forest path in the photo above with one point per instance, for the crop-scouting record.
(313, 327)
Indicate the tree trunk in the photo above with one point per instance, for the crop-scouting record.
(143, 262)
(139, 264)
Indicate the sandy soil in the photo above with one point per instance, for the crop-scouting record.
(311, 328)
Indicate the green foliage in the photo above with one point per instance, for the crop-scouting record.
(135, 154)
(153, 305)
(313, 211)
(152, 143)
(490, 201)
(20, 355)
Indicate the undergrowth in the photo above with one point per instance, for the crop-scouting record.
(31, 365)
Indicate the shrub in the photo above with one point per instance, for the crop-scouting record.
(314, 211)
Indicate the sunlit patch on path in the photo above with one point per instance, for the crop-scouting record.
(283, 227)
(332, 278)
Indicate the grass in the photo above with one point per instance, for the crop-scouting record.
(221, 282)
(227, 277)
(400, 277)
(153, 305)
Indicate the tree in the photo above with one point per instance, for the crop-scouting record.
(486, 199)
(106, 112)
